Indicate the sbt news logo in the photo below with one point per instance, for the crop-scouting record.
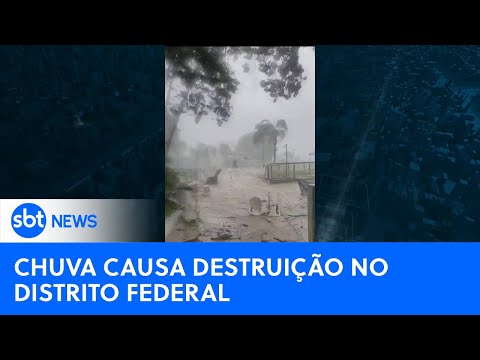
(29, 220)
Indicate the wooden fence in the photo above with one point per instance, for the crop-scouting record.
(279, 172)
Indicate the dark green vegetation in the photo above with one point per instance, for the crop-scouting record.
(210, 83)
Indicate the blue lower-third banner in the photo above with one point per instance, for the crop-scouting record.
(239, 278)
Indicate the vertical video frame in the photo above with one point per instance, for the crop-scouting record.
(239, 144)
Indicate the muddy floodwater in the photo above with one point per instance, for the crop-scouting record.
(224, 212)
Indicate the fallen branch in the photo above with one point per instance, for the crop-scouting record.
(223, 238)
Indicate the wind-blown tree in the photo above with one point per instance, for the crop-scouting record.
(266, 130)
(208, 82)
(178, 151)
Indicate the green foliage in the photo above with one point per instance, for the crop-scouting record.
(210, 83)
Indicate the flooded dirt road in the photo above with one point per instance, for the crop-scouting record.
(224, 211)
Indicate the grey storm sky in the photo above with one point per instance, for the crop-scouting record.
(251, 104)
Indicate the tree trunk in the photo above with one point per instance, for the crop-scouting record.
(169, 87)
(170, 136)
(167, 101)
(174, 128)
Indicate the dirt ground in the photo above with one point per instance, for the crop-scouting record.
(224, 212)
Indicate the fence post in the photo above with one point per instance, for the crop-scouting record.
(311, 213)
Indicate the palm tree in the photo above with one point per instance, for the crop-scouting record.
(266, 130)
